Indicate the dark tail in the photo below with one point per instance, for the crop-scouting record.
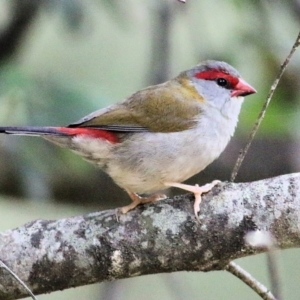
(32, 130)
(61, 131)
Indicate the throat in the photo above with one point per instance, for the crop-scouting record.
(221, 123)
(231, 108)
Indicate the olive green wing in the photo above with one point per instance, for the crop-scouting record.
(156, 109)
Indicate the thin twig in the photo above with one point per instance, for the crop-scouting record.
(265, 240)
(272, 263)
(248, 279)
(3, 265)
(263, 111)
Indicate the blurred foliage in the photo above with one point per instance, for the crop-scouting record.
(63, 59)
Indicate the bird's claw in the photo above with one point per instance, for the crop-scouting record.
(197, 191)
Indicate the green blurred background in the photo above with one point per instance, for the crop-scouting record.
(62, 59)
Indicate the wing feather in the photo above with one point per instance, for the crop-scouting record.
(167, 107)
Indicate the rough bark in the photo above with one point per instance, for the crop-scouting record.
(160, 237)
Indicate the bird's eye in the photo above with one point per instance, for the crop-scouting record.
(222, 82)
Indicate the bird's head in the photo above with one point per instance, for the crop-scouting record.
(220, 85)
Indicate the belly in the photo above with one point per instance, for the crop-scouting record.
(145, 161)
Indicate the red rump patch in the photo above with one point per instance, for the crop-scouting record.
(91, 132)
(214, 74)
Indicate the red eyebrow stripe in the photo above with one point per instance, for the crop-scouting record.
(214, 74)
(90, 132)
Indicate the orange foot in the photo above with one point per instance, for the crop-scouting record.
(197, 190)
(136, 200)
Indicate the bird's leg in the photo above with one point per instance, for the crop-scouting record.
(136, 200)
(197, 190)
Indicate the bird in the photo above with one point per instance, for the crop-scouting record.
(159, 136)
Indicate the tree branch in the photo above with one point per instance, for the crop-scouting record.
(160, 237)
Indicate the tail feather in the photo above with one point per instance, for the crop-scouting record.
(61, 131)
(31, 130)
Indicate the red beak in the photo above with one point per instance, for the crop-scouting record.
(242, 88)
